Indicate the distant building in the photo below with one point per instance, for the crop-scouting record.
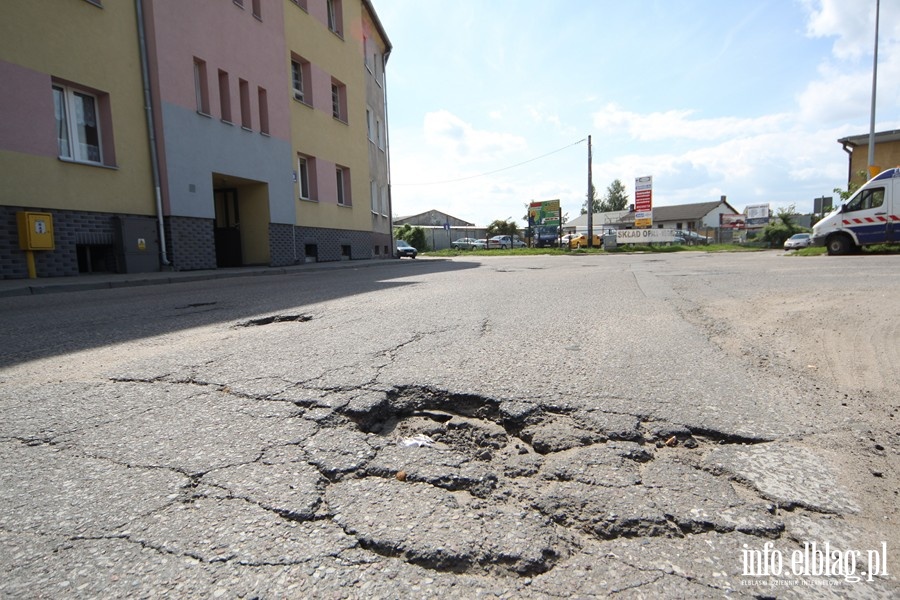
(269, 129)
(432, 218)
(440, 228)
(887, 153)
(701, 215)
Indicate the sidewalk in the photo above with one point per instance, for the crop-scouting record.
(99, 281)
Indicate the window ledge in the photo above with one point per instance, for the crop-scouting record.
(265, 133)
(203, 114)
(227, 122)
(340, 120)
(303, 102)
(72, 161)
(345, 205)
(313, 200)
(246, 128)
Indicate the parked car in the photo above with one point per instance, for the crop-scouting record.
(566, 239)
(479, 244)
(404, 249)
(505, 241)
(581, 241)
(691, 237)
(798, 240)
(463, 244)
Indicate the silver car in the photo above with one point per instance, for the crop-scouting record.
(798, 240)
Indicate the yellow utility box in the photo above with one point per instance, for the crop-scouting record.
(35, 231)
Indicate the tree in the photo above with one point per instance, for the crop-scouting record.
(502, 227)
(415, 236)
(596, 205)
(616, 198)
(784, 227)
(851, 187)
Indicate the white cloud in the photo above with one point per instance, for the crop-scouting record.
(678, 124)
(460, 142)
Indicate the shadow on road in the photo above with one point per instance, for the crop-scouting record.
(42, 326)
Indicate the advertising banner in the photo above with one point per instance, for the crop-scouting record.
(643, 201)
(758, 214)
(544, 214)
(733, 221)
(645, 236)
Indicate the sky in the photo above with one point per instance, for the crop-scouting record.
(491, 102)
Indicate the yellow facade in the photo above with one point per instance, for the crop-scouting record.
(95, 48)
(316, 132)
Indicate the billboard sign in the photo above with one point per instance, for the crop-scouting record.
(645, 236)
(732, 221)
(544, 214)
(643, 201)
(757, 214)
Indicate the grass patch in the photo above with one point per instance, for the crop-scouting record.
(622, 249)
(882, 249)
(811, 251)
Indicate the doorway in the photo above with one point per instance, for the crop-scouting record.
(228, 229)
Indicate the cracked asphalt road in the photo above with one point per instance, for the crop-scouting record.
(628, 426)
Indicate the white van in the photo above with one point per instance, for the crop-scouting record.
(870, 216)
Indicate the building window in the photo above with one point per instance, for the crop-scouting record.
(373, 196)
(306, 177)
(257, 10)
(339, 100)
(370, 128)
(366, 53)
(301, 4)
(384, 203)
(201, 86)
(342, 175)
(263, 98)
(224, 97)
(77, 125)
(246, 118)
(239, 3)
(335, 16)
(379, 131)
(300, 76)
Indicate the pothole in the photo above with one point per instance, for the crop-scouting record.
(455, 461)
(274, 319)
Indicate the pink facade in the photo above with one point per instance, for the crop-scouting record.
(231, 40)
(27, 109)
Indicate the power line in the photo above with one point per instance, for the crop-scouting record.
(492, 172)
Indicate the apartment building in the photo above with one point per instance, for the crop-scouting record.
(74, 141)
(254, 149)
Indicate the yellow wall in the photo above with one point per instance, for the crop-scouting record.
(316, 132)
(887, 155)
(253, 206)
(97, 48)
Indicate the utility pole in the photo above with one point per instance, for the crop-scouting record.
(590, 201)
(871, 166)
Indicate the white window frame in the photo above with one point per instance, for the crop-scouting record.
(303, 177)
(335, 18)
(373, 193)
(77, 149)
(341, 192)
(297, 80)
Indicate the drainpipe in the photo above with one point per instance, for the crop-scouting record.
(849, 152)
(151, 130)
(387, 145)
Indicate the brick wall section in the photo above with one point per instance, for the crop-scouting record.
(190, 243)
(330, 241)
(70, 228)
(281, 245)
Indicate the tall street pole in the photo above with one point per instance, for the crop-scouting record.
(872, 168)
(590, 201)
